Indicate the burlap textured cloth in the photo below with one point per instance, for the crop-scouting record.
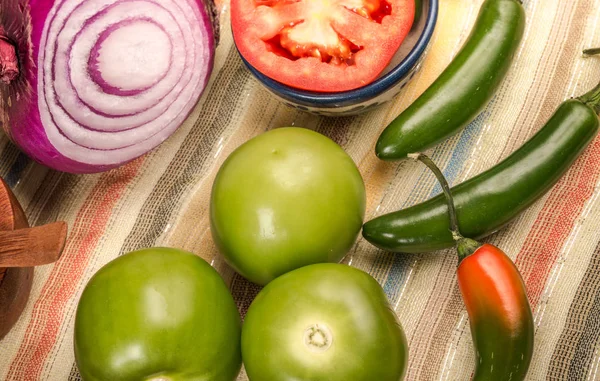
(162, 200)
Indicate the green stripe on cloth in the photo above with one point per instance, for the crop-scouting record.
(576, 347)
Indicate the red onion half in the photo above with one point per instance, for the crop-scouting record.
(88, 85)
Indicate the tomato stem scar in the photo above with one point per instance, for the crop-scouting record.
(318, 338)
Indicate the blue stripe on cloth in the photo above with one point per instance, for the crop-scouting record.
(397, 276)
(16, 170)
(462, 150)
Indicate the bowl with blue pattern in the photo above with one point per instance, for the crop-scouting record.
(406, 63)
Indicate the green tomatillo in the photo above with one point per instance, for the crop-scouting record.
(323, 322)
(286, 199)
(157, 315)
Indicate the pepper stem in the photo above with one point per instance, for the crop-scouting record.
(9, 64)
(591, 52)
(447, 193)
(592, 98)
(464, 246)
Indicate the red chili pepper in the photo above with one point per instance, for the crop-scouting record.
(496, 301)
(499, 314)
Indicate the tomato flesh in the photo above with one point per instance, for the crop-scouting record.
(321, 45)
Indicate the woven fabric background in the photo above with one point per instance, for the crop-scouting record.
(162, 200)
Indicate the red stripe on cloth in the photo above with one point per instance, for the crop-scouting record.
(556, 221)
(49, 310)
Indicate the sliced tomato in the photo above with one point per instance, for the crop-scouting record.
(321, 45)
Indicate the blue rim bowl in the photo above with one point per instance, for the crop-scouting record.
(359, 100)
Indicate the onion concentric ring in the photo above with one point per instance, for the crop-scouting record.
(112, 78)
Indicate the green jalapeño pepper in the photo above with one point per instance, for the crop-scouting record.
(490, 200)
(494, 295)
(464, 88)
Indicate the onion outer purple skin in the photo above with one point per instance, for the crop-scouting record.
(24, 22)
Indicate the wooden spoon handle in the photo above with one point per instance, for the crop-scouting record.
(32, 246)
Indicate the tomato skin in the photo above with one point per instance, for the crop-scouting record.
(367, 342)
(253, 25)
(287, 198)
(157, 312)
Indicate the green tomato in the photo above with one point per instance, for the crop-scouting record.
(324, 322)
(286, 199)
(157, 314)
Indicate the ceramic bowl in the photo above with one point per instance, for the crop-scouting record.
(403, 67)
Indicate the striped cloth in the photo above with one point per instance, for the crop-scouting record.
(162, 200)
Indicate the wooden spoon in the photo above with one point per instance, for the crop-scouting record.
(32, 246)
(21, 248)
